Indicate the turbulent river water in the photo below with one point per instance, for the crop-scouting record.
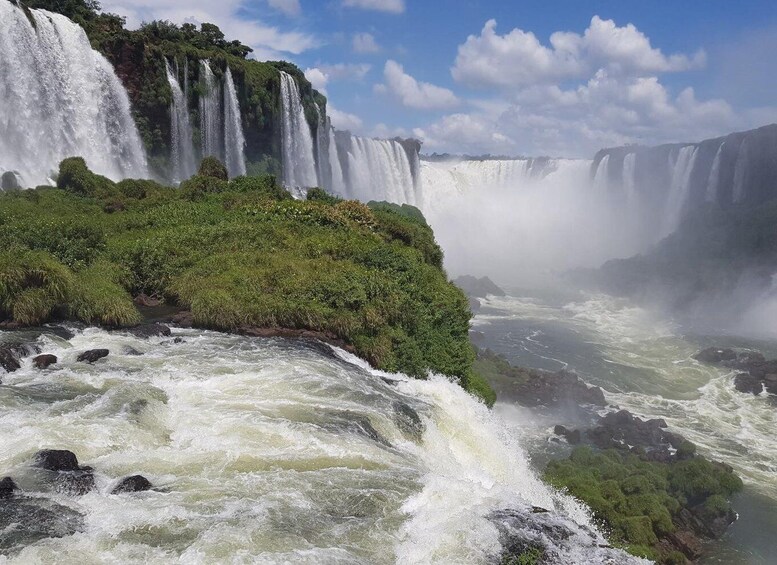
(272, 451)
(644, 363)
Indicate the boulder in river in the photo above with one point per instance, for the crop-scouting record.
(67, 475)
(93, 355)
(7, 488)
(745, 382)
(135, 483)
(44, 361)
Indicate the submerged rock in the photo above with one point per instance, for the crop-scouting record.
(135, 483)
(715, 355)
(7, 488)
(93, 355)
(150, 330)
(758, 373)
(24, 521)
(44, 361)
(408, 420)
(573, 437)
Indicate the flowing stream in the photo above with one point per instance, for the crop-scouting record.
(273, 451)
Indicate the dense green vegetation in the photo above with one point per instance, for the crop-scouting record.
(236, 253)
(139, 56)
(637, 500)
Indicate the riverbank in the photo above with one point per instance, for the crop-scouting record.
(236, 254)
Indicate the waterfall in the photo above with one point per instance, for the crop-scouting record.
(60, 98)
(602, 176)
(338, 180)
(299, 164)
(182, 136)
(741, 170)
(379, 169)
(211, 127)
(680, 188)
(234, 139)
(630, 180)
(714, 178)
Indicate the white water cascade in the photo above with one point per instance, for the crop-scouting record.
(234, 138)
(182, 142)
(59, 98)
(338, 179)
(211, 123)
(679, 190)
(380, 169)
(271, 451)
(299, 164)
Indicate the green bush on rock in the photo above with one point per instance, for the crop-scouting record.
(238, 254)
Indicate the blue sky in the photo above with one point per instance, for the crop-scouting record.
(559, 78)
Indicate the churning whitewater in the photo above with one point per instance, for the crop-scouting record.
(274, 451)
(60, 99)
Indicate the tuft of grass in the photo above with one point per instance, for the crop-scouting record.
(99, 298)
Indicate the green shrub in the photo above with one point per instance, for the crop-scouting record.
(99, 298)
(74, 176)
(321, 195)
(213, 168)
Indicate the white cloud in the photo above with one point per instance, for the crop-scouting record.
(412, 93)
(365, 43)
(344, 120)
(389, 6)
(288, 7)
(267, 41)
(320, 76)
(518, 58)
(603, 112)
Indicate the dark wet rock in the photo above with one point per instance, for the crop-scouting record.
(745, 382)
(147, 301)
(93, 355)
(756, 372)
(151, 330)
(623, 430)
(179, 340)
(56, 460)
(573, 437)
(67, 475)
(135, 483)
(44, 361)
(558, 389)
(24, 521)
(7, 488)
(183, 319)
(9, 360)
(478, 288)
(715, 355)
(132, 352)
(408, 420)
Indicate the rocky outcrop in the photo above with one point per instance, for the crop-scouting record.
(558, 389)
(7, 488)
(757, 373)
(24, 521)
(478, 287)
